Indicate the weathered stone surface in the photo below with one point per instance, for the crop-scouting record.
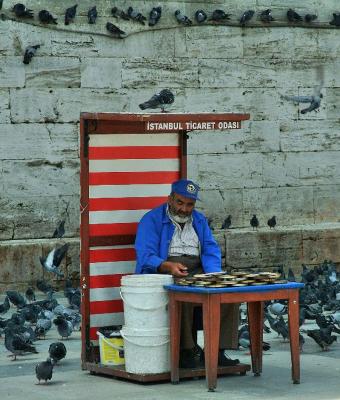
(101, 73)
(302, 135)
(254, 136)
(20, 265)
(262, 248)
(34, 141)
(290, 205)
(4, 107)
(27, 216)
(33, 177)
(48, 72)
(161, 72)
(333, 102)
(208, 42)
(230, 171)
(321, 245)
(12, 72)
(301, 169)
(63, 105)
(218, 204)
(326, 200)
(261, 104)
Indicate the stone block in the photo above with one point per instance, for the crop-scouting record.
(208, 42)
(48, 72)
(5, 114)
(263, 248)
(101, 73)
(253, 137)
(290, 205)
(12, 72)
(326, 203)
(159, 72)
(20, 265)
(299, 136)
(320, 245)
(34, 217)
(34, 177)
(301, 169)
(226, 171)
(63, 105)
(34, 141)
(218, 204)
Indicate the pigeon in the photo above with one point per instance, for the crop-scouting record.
(315, 99)
(30, 295)
(70, 14)
(301, 341)
(16, 298)
(266, 16)
(116, 32)
(226, 223)
(44, 370)
(136, 16)
(322, 337)
(91, 16)
(278, 309)
(4, 307)
(1, 1)
(44, 287)
(244, 341)
(16, 344)
(291, 276)
(182, 19)
(64, 327)
(21, 11)
(219, 15)
(272, 222)
(46, 17)
(160, 99)
(117, 13)
(310, 17)
(57, 351)
(42, 326)
(293, 16)
(52, 262)
(254, 222)
(246, 17)
(336, 20)
(200, 16)
(29, 53)
(155, 15)
(60, 230)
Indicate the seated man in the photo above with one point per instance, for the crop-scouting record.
(176, 239)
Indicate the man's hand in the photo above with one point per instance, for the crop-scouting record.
(176, 269)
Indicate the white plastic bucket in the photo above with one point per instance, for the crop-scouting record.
(147, 351)
(145, 300)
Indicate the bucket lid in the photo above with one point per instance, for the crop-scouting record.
(145, 332)
(147, 279)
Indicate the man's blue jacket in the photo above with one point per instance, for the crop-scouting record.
(154, 234)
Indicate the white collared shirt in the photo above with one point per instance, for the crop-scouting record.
(184, 241)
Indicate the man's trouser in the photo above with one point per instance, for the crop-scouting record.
(229, 312)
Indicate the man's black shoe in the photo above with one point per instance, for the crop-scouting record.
(189, 358)
(225, 361)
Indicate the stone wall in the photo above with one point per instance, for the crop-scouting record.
(280, 163)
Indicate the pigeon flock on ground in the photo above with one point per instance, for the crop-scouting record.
(32, 319)
(319, 305)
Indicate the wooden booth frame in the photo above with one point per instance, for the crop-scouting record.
(126, 123)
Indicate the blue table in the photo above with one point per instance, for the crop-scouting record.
(211, 300)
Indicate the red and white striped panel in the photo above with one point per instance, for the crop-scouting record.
(107, 265)
(128, 175)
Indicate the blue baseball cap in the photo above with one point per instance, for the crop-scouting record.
(186, 188)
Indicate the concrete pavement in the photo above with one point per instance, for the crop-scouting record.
(320, 373)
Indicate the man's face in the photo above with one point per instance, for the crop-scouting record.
(181, 206)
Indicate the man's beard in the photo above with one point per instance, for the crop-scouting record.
(181, 219)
